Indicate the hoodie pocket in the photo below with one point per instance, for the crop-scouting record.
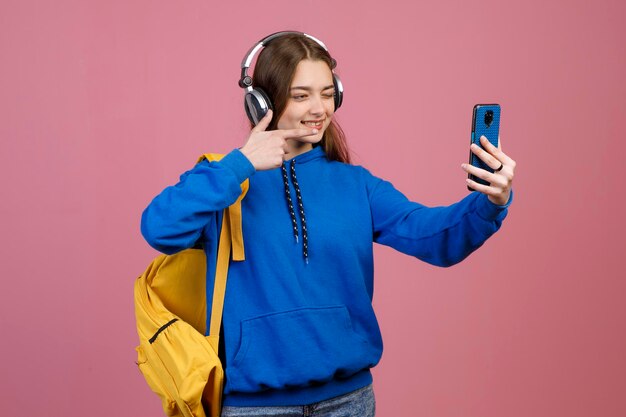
(297, 348)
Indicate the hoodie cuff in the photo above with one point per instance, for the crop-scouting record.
(238, 164)
(490, 211)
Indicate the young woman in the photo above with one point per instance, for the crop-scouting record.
(300, 333)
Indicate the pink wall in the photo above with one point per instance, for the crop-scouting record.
(102, 104)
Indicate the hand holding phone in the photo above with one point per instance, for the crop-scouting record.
(490, 171)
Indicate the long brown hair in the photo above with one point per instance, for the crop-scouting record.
(274, 72)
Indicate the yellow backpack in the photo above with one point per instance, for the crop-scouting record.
(179, 363)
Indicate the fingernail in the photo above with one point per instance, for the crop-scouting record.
(463, 166)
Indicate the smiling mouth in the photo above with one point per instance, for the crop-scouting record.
(315, 124)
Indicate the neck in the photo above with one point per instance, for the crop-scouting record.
(295, 148)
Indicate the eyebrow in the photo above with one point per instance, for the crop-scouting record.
(309, 88)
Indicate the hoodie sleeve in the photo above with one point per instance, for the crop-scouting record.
(441, 236)
(175, 218)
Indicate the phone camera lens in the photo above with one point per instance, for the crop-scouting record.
(488, 117)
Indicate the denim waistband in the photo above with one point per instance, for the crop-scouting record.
(359, 403)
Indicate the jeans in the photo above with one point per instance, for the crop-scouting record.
(359, 403)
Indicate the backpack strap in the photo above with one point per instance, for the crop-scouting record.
(231, 239)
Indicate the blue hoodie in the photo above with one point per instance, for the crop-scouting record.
(298, 321)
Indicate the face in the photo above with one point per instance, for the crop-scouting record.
(311, 101)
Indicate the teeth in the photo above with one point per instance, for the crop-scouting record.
(313, 124)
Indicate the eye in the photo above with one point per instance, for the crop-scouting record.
(299, 97)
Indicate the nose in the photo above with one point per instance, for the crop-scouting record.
(317, 105)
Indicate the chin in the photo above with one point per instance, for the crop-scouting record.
(317, 138)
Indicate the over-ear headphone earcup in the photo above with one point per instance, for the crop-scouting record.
(257, 103)
(338, 91)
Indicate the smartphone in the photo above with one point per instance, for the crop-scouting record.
(485, 122)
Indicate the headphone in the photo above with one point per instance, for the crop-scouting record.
(256, 101)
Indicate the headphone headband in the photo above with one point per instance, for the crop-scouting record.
(246, 81)
(263, 42)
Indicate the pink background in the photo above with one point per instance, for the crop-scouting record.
(103, 104)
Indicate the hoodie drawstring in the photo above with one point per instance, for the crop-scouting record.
(290, 203)
(294, 179)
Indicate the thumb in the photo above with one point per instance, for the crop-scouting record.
(264, 122)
